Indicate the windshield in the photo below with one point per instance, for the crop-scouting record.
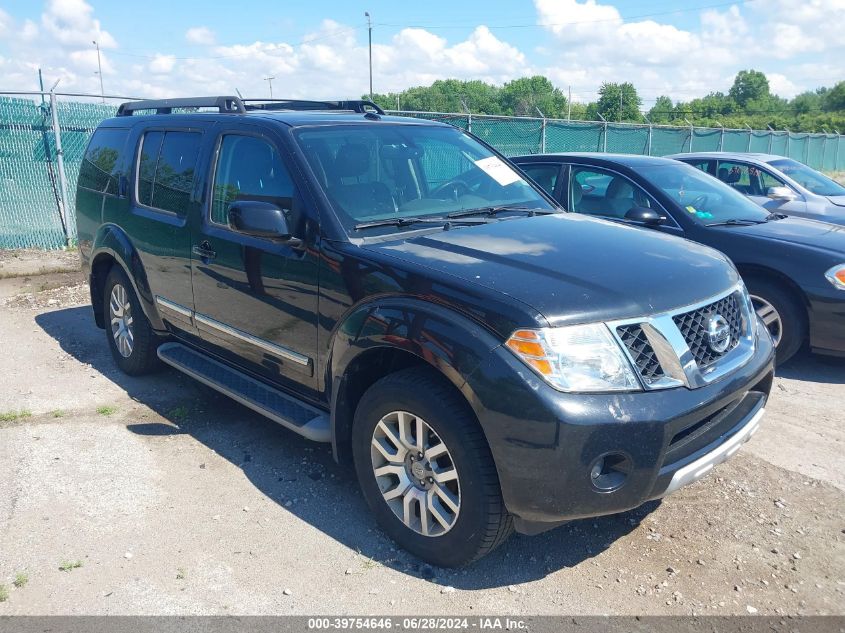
(705, 199)
(808, 178)
(390, 172)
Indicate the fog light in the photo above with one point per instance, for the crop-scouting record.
(610, 472)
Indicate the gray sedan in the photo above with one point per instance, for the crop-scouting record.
(779, 184)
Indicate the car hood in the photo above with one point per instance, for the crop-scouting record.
(839, 201)
(804, 232)
(572, 268)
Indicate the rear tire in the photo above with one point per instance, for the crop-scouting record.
(465, 516)
(782, 313)
(131, 339)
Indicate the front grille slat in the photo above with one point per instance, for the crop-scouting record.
(641, 352)
(693, 327)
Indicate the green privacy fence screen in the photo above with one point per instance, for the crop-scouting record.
(30, 188)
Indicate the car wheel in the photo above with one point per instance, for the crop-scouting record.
(426, 471)
(782, 314)
(132, 341)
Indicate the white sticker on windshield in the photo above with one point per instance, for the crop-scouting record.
(498, 170)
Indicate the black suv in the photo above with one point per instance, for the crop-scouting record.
(395, 287)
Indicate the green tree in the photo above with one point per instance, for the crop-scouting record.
(526, 95)
(749, 85)
(662, 111)
(619, 102)
(834, 100)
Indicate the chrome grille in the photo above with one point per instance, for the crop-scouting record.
(641, 352)
(693, 327)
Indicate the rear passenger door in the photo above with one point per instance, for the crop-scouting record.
(164, 193)
(256, 298)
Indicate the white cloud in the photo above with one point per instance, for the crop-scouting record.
(162, 64)
(200, 35)
(71, 22)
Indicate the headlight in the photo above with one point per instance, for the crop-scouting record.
(749, 305)
(578, 358)
(836, 276)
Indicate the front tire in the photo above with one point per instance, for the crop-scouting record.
(426, 471)
(131, 339)
(782, 314)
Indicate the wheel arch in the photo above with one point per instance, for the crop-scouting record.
(759, 271)
(382, 337)
(113, 247)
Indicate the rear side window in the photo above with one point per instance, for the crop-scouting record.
(100, 165)
(543, 175)
(166, 167)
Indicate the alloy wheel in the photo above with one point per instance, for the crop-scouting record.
(415, 473)
(120, 312)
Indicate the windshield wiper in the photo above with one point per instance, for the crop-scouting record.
(736, 222)
(493, 210)
(409, 221)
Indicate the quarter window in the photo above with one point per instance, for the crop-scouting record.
(100, 165)
(166, 169)
(249, 168)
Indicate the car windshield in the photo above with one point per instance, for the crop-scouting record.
(808, 178)
(705, 199)
(382, 173)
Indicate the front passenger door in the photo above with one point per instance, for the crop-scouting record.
(256, 297)
(606, 194)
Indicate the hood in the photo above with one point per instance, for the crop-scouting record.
(821, 236)
(573, 268)
(839, 201)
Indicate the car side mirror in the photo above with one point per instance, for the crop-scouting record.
(260, 219)
(644, 216)
(780, 193)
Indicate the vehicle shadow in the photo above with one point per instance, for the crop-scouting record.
(814, 368)
(302, 477)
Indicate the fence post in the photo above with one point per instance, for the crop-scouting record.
(824, 149)
(771, 136)
(750, 134)
(807, 148)
(650, 126)
(60, 163)
(788, 134)
(469, 122)
(543, 137)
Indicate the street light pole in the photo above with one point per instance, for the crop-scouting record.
(100, 72)
(370, 33)
(269, 80)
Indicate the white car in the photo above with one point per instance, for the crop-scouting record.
(781, 185)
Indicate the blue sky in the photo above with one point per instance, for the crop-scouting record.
(318, 49)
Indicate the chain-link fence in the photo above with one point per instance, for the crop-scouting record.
(527, 135)
(38, 181)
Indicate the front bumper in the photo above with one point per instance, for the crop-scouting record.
(827, 320)
(546, 444)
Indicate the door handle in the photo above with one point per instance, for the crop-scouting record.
(204, 250)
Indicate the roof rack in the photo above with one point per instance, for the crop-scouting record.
(236, 105)
(232, 105)
(361, 106)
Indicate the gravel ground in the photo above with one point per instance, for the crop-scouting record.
(158, 496)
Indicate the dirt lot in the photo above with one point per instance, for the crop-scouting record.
(157, 496)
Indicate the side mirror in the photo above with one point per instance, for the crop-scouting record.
(260, 219)
(645, 216)
(784, 194)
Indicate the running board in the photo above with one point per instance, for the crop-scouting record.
(297, 416)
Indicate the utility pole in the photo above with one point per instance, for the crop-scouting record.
(569, 105)
(620, 104)
(100, 71)
(269, 80)
(370, 32)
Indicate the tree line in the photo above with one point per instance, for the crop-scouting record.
(749, 103)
